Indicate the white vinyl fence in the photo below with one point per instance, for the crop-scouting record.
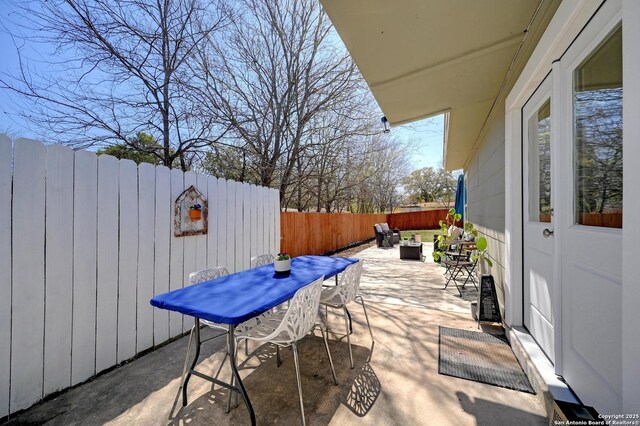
(85, 242)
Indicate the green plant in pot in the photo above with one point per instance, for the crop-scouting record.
(481, 255)
(448, 228)
(445, 226)
(282, 263)
(469, 229)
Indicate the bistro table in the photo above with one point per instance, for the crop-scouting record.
(236, 298)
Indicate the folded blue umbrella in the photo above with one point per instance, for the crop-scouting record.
(459, 204)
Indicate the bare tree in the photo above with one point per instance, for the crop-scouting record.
(268, 76)
(118, 67)
(336, 143)
(599, 150)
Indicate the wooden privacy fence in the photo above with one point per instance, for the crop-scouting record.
(319, 233)
(608, 220)
(428, 219)
(85, 242)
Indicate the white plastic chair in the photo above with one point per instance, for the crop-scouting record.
(345, 292)
(287, 327)
(208, 275)
(263, 259)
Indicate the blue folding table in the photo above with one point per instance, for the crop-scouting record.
(236, 298)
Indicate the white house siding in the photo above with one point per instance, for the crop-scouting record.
(484, 176)
(485, 167)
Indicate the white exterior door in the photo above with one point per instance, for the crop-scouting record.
(538, 218)
(588, 219)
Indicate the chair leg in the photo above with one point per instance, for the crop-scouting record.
(448, 279)
(326, 346)
(297, 363)
(373, 342)
(455, 277)
(346, 324)
(278, 360)
(452, 277)
(350, 320)
(466, 269)
(472, 276)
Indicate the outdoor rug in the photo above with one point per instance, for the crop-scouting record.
(481, 357)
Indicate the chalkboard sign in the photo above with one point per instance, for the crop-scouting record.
(488, 308)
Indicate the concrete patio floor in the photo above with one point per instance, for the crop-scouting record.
(400, 386)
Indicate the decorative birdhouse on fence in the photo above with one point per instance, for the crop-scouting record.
(190, 213)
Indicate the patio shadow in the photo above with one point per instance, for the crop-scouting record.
(492, 413)
(364, 391)
(273, 390)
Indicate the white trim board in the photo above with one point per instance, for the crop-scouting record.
(631, 133)
(566, 25)
(558, 389)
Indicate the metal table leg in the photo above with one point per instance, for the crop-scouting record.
(234, 369)
(193, 363)
(231, 348)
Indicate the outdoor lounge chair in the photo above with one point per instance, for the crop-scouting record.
(381, 230)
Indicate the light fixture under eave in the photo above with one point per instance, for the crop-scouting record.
(385, 124)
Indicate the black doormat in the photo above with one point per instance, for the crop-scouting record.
(481, 357)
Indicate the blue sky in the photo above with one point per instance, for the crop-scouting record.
(8, 63)
(424, 136)
(427, 138)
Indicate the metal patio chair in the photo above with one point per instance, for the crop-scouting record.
(340, 296)
(287, 327)
(461, 263)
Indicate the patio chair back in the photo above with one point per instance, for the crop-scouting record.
(350, 282)
(263, 259)
(207, 274)
(347, 288)
(301, 315)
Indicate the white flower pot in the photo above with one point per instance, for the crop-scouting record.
(282, 265)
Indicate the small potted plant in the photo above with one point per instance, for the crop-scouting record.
(282, 263)
(195, 212)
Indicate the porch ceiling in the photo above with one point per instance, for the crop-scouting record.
(424, 57)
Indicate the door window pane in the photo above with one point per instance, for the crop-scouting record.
(597, 108)
(540, 164)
